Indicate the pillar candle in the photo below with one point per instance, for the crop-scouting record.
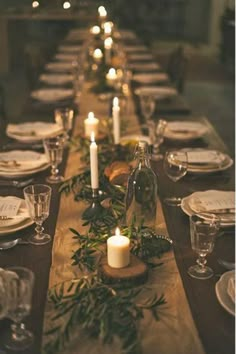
(91, 125)
(94, 163)
(111, 77)
(116, 120)
(118, 250)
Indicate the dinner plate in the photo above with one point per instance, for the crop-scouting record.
(127, 34)
(134, 138)
(149, 78)
(32, 131)
(222, 294)
(137, 57)
(185, 130)
(14, 228)
(70, 48)
(59, 66)
(220, 163)
(52, 95)
(159, 92)
(65, 57)
(143, 66)
(186, 207)
(22, 213)
(136, 48)
(56, 79)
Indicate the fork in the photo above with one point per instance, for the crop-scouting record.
(17, 184)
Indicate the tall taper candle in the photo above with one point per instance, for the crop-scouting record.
(94, 163)
(116, 120)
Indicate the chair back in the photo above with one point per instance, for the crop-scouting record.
(177, 68)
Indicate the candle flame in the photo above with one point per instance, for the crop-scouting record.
(95, 30)
(117, 231)
(35, 4)
(115, 102)
(66, 5)
(91, 116)
(97, 53)
(102, 11)
(108, 43)
(92, 137)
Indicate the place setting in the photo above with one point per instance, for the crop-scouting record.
(50, 95)
(58, 66)
(185, 130)
(149, 78)
(56, 79)
(144, 67)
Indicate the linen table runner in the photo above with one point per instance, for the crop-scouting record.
(175, 332)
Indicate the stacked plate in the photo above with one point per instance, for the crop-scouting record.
(67, 57)
(150, 78)
(185, 130)
(56, 79)
(225, 291)
(135, 48)
(52, 95)
(159, 92)
(220, 203)
(20, 163)
(144, 66)
(70, 48)
(140, 57)
(21, 220)
(59, 66)
(32, 131)
(203, 161)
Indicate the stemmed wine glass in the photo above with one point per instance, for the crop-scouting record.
(176, 167)
(147, 104)
(54, 151)
(38, 197)
(20, 288)
(64, 118)
(156, 134)
(203, 231)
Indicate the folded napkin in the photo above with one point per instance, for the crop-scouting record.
(231, 287)
(51, 95)
(199, 157)
(12, 211)
(18, 160)
(147, 78)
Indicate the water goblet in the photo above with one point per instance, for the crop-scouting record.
(156, 134)
(64, 118)
(176, 167)
(54, 151)
(147, 104)
(203, 232)
(37, 199)
(20, 288)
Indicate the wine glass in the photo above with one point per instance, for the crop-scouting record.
(37, 199)
(203, 231)
(64, 118)
(54, 151)
(20, 288)
(148, 104)
(176, 167)
(156, 133)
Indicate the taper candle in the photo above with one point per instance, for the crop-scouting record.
(116, 120)
(118, 250)
(94, 163)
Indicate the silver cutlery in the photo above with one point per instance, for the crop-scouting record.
(9, 244)
(15, 183)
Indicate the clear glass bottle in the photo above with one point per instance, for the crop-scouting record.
(142, 188)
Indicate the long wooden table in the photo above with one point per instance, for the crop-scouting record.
(214, 324)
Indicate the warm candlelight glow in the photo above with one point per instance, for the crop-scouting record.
(107, 28)
(97, 54)
(115, 102)
(117, 231)
(112, 74)
(95, 30)
(116, 120)
(66, 5)
(118, 254)
(92, 137)
(35, 4)
(91, 115)
(91, 125)
(102, 11)
(94, 162)
(108, 43)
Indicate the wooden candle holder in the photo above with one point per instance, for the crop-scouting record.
(136, 273)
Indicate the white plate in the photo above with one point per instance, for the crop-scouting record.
(21, 161)
(58, 66)
(135, 48)
(52, 95)
(140, 57)
(185, 206)
(22, 214)
(32, 131)
(143, 66)
(70, 48)
(159, 92)
(134, 138)
(23, 173)
(56, 79)
(224, 163)
(222, 294)
(14, 228)
(185, 130)
(149, 78)
(65, 57)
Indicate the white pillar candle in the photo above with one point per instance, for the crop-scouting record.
(94, 163)
(108, 46)
(116, 120)
(91, 125)
(111, 77)
(97, 55)
(118, 254)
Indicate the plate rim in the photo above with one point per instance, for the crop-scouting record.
(219, 289)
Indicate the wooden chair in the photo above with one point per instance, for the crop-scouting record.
(177, 68)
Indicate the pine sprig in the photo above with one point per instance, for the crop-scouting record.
(101, 311)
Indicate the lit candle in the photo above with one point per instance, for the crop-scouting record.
(95, 30)
(108, 45)
(97, 55)
(107, 28)
(35, 4)
(91, 125)
(116, 120)
(94, 163)
(118, 255)
(102, 12)
(111, 77)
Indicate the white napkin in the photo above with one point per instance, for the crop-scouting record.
(14, 209)
(213, 200)
(51, 95)
(19, 160)
(204, 157)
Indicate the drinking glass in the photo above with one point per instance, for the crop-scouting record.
(54, 151)
(64, 118)
(203, 231)
(37, 199)
(176, 167)
(148, 104)
(19, 296)
(156, 134)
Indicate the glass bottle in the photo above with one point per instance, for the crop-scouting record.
(142, 188)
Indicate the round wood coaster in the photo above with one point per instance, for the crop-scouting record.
(134, 274)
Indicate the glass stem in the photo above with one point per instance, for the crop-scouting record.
(18, 330)
(39, 230)
(54, 171)
(201, 261)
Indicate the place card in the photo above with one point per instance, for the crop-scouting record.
(213, 200)
(9, 207)
(203, 157)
